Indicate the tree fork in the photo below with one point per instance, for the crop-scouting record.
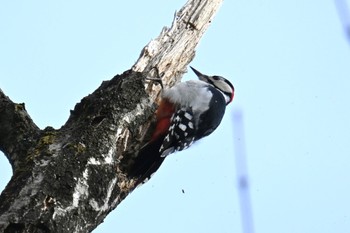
(69, 179)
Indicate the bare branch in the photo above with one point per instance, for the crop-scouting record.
(68, 180)
(17, 130)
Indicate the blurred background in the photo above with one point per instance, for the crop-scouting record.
(290, 64)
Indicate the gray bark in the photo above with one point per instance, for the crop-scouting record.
(69, 179)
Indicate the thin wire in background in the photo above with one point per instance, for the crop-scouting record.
(239, 143)
(344, 16)
(242, 174)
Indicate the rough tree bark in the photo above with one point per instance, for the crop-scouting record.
(69, 179)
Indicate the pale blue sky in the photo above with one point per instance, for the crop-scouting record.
(290, 64)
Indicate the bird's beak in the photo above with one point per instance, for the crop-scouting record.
(201, 76)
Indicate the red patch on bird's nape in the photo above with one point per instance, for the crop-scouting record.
(232, 95)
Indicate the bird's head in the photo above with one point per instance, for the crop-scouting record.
(220, 83)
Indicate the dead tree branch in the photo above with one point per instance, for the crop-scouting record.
(69, 179)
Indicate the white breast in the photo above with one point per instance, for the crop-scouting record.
(192, 93)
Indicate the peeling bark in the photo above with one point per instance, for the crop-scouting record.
(69, 179)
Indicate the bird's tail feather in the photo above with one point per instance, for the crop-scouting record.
(147, 162)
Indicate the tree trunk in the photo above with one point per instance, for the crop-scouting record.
(68, 180)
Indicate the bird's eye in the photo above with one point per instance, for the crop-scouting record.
(216, 77)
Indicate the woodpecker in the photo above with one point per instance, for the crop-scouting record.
(187, 112)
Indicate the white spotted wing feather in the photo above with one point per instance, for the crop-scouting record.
(181, 132)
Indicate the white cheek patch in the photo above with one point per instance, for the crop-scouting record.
(222, 86)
